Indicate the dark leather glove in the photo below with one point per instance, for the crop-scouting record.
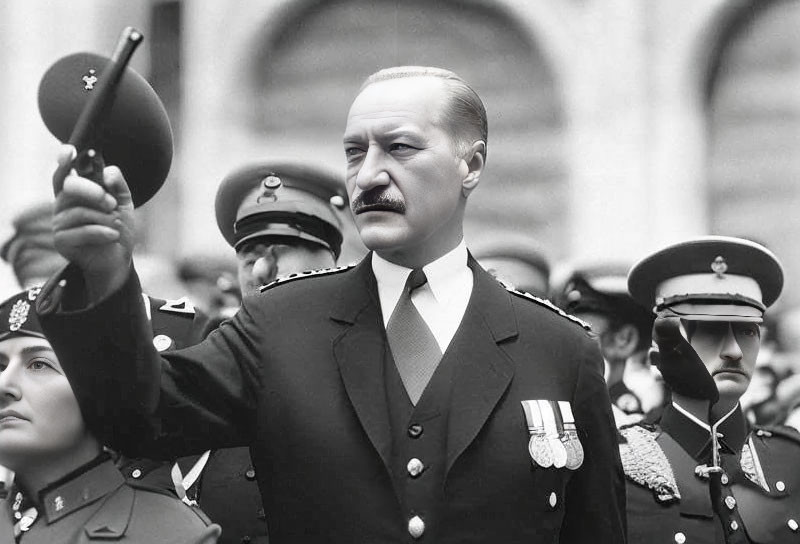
(681, 367)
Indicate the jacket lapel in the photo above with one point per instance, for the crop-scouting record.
(360, 351)
(483, 371)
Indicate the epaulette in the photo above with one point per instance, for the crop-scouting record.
(783, 431)
(645, 463)
(547, 304)
(307, 274)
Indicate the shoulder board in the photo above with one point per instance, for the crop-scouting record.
(782, 431)
(179, 306)
(547, 304)
(307, 274)
(645, 463)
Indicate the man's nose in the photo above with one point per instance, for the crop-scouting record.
(372, 172)
(730, 347)
(265, 269)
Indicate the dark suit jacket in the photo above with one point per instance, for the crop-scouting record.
(297, 375)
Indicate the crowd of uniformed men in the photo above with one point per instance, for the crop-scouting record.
(430, 393)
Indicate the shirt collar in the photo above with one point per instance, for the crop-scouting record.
(392, 277)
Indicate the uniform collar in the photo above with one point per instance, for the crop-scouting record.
(694, 435)
(80, 488)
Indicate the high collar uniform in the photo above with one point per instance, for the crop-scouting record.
(301, 375)
(95, 504)
(672, 499)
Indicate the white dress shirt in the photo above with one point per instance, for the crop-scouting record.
(441, 302)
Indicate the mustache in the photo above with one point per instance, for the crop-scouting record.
(377, 200)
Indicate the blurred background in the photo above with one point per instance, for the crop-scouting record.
(615, 126)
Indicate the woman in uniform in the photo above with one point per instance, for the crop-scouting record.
(67, 489)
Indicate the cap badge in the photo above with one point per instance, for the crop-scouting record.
(89, 79)
(719, 266)
(271, 184)
(18, 315)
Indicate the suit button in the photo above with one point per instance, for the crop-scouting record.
(416, 527)
(680, 538)
(415, 430)
(136, 473)
(415, 467)
(250, 474)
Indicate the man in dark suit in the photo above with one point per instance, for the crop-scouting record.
(408, 398)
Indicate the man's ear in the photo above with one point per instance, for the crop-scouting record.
(474, 159)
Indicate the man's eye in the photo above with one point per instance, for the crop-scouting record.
(353, 152)
(397, 146)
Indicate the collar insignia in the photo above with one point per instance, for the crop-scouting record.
(89, 80)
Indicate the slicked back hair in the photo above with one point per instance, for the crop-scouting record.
(464, 114)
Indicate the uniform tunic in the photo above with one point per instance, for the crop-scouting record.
(755, 499)
(95, 504)
(298, 376)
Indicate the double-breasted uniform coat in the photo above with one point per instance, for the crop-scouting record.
(302, 375)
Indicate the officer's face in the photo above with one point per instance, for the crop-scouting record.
(260, 261)
(39, 415)
(729, 351)
(404, 176)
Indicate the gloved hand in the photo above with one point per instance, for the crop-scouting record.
(681, 367)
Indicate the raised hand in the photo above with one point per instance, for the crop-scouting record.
(93, 225)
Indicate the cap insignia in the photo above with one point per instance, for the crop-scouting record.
(89, 79)
(719, 266)
(18, 315)
(271, 184)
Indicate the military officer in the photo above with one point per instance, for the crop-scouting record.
(67, 489)
(598, 294)
(408, 398)
(702, 474)
(281, 217)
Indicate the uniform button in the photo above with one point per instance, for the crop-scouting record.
(724, 479)
(416, 527)
(552, 500)
(250, 474)
(136, 473)
(415, 430)
(245, 539)
(680, 538)
(415, 467)
(792, 525)
(734, 525)
(730, 502)
(162, 342)
(780, 486)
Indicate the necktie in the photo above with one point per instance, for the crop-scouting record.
(414, 348)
